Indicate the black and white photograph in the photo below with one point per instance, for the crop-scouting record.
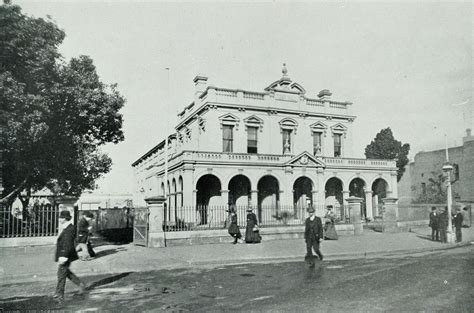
(236, 156)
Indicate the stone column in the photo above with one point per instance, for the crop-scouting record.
(368, 205)
(188, 188)
(345, 195)
(254, 199)
(321, 192)
(225, 197)
(354, 209)
(394, 188)
(156, 235)
(390, 215)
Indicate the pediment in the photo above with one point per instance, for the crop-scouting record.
(229, 119)
(306, 159)
(253, 120)
(318, 126)
(339, 128)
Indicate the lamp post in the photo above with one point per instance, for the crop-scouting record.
(448, 168)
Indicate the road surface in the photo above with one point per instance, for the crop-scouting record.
(441, 281)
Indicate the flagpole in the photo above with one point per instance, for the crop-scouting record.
(166, 138)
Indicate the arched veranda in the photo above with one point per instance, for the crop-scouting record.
(208, 193)
(268, 197)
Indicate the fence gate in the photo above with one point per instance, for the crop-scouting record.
(140, 227)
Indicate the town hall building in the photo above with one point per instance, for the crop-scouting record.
(275, 148)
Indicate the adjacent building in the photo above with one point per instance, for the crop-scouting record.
(278, 147)
(428, 166)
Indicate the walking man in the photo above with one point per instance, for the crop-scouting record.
(65, 255)
(313, 233)
(457, 221)
(434, 224)
(83, 242)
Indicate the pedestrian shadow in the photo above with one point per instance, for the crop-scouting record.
(33, 303)
(38, 303)
(425, 237)
(100, 254)
(107, 280)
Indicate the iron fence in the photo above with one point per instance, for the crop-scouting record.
(195, 218)
(41, 220)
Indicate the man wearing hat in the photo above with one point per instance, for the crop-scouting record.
(65, 255)
(83, 243)
(457, 222)
(434, 224)
(313, 233)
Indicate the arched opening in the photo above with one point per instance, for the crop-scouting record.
(239, 191)
(357, 189)
(334, 196)
(180, 190)
(379, 192)
(302, 194)
(208, 192)
(268, 197)
(173, 200)
(168, 200)
(163, 189)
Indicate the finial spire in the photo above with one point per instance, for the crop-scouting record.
(284, 70)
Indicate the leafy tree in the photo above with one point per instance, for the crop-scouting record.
(434, 191)
(54, 115)
(385, 146)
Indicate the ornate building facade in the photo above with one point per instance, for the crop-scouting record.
(265, 149)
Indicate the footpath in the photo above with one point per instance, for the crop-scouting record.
(32, 264)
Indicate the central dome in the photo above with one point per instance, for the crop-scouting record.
(284, 84)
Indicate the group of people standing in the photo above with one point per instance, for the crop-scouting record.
(439, 224)
(313, 234)
(252, 231)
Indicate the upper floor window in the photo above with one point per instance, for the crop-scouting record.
(288, 127)
(337, 145)
(338, 131)
(286, 136)
(317, 143)
(227, 138)
(252, 139)
(318, 131)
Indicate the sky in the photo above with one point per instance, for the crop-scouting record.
(407, 65)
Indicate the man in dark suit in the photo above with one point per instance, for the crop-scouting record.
(65, 255)
(434, 224)
(313, 234)
(457, 221)
(83, 237)
(443, 225)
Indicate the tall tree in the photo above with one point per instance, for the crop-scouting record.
(54, 115)
(385, 146)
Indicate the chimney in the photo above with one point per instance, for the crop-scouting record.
(468, 137)
(200, 84)
(324, 94)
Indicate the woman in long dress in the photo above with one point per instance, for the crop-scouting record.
(234, 230)
(329, 228)
(252, 233)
